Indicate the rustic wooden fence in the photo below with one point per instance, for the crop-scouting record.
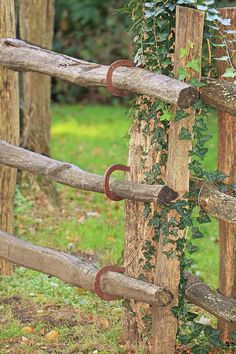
(19, 56)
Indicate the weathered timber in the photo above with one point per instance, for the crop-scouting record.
(217, 204)
(36, 22)
(227, 165)
(73, 176)
(220, 95)
(189, 29)
(213, 302)
(19, 55)
(9, 127)
(76, 271)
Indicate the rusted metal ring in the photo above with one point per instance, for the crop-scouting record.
(108, 172)
(112, 67)
(97, 287)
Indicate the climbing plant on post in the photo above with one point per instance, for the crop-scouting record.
(187, 62)
(226, 69)
(9, 127)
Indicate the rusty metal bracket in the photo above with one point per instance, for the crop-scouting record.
(97, 288)
(112, 67)
(108, 173)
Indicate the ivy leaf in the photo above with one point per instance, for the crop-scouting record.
(167, 115)
(230, 72)
(223, 58)
(225, 21)
(192, 248)
(196, 233)
(185, 134)
(180, 114)
(183, 52)
(183, 74)
(203, 218)
(194, 82)
(194, 65)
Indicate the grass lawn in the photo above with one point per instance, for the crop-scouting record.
(40, 314)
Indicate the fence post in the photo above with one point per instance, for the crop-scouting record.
(36, 20)
(227, 165)
(189, 37)
(9, 126)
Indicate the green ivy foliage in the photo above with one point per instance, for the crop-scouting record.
(152, 24)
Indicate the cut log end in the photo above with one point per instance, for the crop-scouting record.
(166, 195)
(188, 97)
(165, 297)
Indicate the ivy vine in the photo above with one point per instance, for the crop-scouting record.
(153, 23)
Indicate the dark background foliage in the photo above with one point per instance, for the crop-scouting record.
(91, 30)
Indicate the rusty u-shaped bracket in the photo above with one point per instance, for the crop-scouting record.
(97, 288)
(112, 67)
(108, 173)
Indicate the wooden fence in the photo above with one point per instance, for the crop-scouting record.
(20, 56)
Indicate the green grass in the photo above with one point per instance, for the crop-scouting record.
(93, 137)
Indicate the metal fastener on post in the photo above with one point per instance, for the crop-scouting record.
(112, 67)
(108, 172)
(97, 287)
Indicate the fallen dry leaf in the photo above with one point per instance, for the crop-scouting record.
(27, 329)
(52, 336)
(103, 323)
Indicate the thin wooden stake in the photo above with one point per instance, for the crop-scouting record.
(9, 127)
(189, 35)
(227, 164)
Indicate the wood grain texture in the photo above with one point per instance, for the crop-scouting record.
(227, 164)
(73, 176)
(189, 35)
(76, 271)
(9, 127)
(213, 302)
(21, 56)
(36, 23)
(220, 95)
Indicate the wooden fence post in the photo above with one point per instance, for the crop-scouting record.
(189, 35)
(9, 127)
(227, 165)
(36, 22)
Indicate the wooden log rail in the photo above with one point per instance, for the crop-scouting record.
(201, 295)
(75, 271)
(217, 204)
(73, 176)
(20, 56)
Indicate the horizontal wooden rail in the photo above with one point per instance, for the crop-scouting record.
(217, 204)
(220, 94)
(76, 271)
(20, 56)
(73, 176)
(201, 295)
(73, 270)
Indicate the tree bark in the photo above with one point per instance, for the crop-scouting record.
(220, 95)
(76, 271)
(22, 56)
(73, 176)
(227, 165)
(189, 29)
(9, 127)
(36, 21)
